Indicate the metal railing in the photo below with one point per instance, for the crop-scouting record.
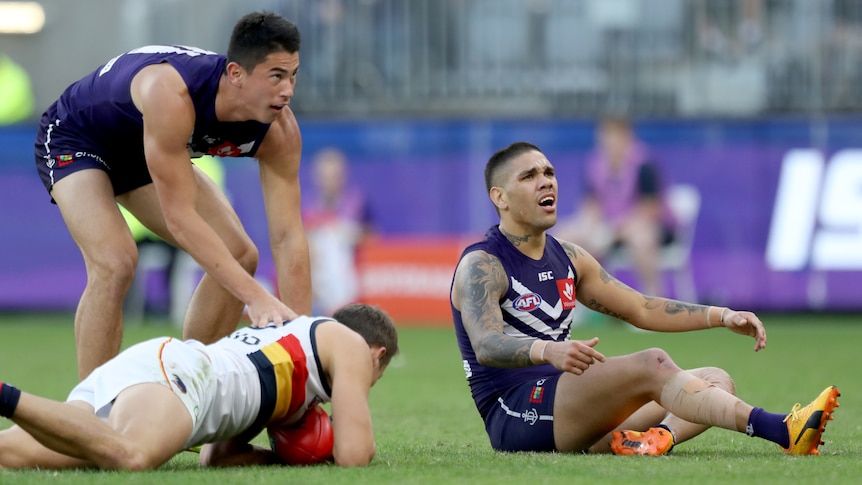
(513, 57)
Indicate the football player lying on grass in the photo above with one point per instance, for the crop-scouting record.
(162, 396)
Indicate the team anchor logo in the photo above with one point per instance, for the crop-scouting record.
(530, 416)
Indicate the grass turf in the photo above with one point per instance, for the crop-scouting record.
(429, 432)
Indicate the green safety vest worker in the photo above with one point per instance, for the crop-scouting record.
(16, 93)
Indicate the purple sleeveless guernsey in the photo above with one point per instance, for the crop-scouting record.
(96, 114)
(538, 304)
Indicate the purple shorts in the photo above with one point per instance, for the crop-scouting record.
(59, 153)
(522, 419)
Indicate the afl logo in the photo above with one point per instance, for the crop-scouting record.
(528, 302)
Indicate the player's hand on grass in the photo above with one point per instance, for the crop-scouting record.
(575, 356)
(746, 323)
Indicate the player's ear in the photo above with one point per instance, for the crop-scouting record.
(235, 73)
(378, 353)
(496, 196)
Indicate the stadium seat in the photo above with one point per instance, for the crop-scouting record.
(684, 201)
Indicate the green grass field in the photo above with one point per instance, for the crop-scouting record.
(429, 432)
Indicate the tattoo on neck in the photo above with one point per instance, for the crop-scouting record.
(517, 240)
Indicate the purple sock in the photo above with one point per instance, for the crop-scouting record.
(769, 426)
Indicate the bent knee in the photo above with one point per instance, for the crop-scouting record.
(130, 458)
(717, 377)
(247, 256)
(656, 359)
(114, 266)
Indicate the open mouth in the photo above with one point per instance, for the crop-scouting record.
(547, 201)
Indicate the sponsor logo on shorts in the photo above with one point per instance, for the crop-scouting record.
(228, 149)
(93, 156)
(179, 383)
(538, 392)
(64, 160)
(527, 302)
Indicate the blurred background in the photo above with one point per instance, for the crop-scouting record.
(752, 105)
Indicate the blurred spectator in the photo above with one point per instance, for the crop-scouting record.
(16, 92)
(728, 29)
(624, 204)
(337, 220)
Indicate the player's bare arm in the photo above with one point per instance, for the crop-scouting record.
(279, 159)
(600, 291)
(348, 362)
(162, 97)
(480, 282)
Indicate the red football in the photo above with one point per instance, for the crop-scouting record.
(307, 442)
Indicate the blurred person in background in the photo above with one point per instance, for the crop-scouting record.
(338, 220)
(125, 132)
(16, 92)
(537, 389)
(624, 204)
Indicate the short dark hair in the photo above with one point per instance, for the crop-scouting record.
(259, 34)
(502, 156)
(374, 324)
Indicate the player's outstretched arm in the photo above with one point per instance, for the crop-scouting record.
(168, 112)
(279, 160)
(601, 292)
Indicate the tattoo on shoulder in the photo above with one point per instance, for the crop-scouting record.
(609, 278)
(482, 282)
(572, 251)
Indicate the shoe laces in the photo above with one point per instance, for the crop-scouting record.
(794, 413)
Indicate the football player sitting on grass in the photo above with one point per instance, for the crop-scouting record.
(162, 396)
(537, 389)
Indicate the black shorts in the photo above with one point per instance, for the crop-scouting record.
(522, 419)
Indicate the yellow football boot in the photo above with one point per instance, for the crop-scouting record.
(805, 425)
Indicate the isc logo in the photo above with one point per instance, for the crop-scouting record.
(528, 302)
(817, 219)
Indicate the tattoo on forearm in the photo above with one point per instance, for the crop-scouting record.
(672, 307)
(482, 282)
(504, 351)
(596, 306)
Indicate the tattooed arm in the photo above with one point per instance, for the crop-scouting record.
(480, 281)
(603, 293)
